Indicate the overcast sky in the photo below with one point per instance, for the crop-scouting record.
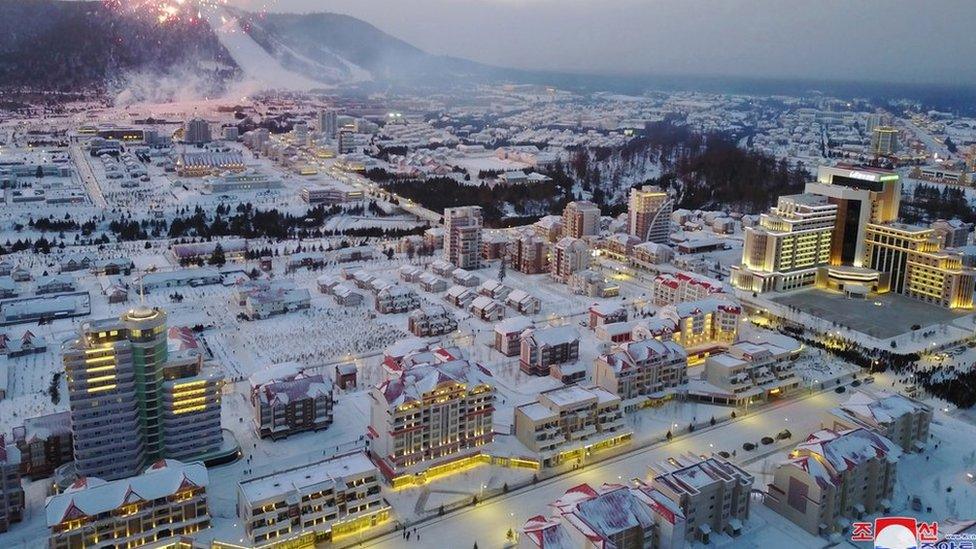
(921, 41)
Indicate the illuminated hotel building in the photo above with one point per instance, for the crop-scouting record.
(918, 266)
(430, 414)
(649, 214)
(130, 405)
(788, 245)
(862, 196)
(154, 509)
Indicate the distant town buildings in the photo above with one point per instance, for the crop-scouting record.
(196, 131)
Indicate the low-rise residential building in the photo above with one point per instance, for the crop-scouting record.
(620, 246)
(487, 309)
(570, 423)
(523, 302)
(834, 477)
(431, 283)
(45, 443)
(530, 254)
(431, 320)
(54, 284)
(642, 370)
(430, 414)
(396, 299)
(649, 255)
(610, 516)
(287, 400)
(11, 493)
(593, 284)
(494, 289)
(670, 289)
(322, 501)
(166, 502)
(276, 301)
(543, 347)
(465, 278)
(460, 296)
(508, 334)
(751, 372)
(898, 418)
(702, 327)
(346, 296)
(410, 273)
(601, 314)
(713, 493)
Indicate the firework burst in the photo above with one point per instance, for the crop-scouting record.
(166, 11)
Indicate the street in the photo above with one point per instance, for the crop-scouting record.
(487, 523)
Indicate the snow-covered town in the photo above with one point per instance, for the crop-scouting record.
(493, 314)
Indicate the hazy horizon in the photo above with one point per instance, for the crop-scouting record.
(871, 40)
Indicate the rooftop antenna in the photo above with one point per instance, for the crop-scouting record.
(142, 290)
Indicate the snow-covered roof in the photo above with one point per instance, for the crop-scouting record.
(302, 479)
(828, 453)
(92, 496)
(555, 335)
(882, 408)
(514, 324)
(413, 383)
(634, 353)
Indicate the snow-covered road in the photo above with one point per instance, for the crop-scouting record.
(487, 523)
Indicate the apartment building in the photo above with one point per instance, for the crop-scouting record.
(570, 423)
(45, 443)
(787, 246)
(898, 418)
(430, 414)
(543, 347)
(11, 493)
(157, 508)
(569, 255)
(650, 254)
(638, 370)
(619, 246)
(462, 239)
(325, 501)
(612, 515)
(713, 494)
(750, 372)
(581, 218)
(649, 214)
(287, 400)
(833, 477)
(530, 254)
(669, 289)
(508, 334)
(431, 320)
(130, 404)
(703, 326)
